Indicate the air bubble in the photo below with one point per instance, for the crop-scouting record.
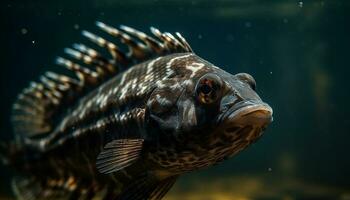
(248, 24)
(24, 31)
(301, 4)
(76, 26)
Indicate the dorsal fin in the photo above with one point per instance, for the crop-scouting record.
(39, 107)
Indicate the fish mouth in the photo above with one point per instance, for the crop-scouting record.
(247, 113)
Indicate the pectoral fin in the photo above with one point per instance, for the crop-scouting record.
(118, 154)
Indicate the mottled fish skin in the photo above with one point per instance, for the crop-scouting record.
(129, 125)
(122, 96)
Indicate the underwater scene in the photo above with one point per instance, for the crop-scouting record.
(175, 99)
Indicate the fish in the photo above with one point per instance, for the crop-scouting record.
(128, 116)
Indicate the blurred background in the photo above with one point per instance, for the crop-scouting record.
(298, 52)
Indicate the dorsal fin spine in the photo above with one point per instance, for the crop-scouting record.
(136, 49)
(102, 68)
(95, 56)
(85, 75)
(41, 101)
(154, 45)
(116, 53)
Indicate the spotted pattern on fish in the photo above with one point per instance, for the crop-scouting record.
(126, 125)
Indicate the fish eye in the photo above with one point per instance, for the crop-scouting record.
(248, 79)
(208, 89)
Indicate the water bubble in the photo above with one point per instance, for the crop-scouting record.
(200, 36)
(285, 21)
(271, 72)
(269, 169)
(301, 4)
(24, 31)
(248, 24)
(76, 26)
(33, 41)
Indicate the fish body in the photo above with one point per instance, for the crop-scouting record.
(127, 126)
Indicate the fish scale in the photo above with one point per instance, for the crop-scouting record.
(126, 125)
(92, 105)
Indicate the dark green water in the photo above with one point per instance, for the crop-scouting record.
(298, 52)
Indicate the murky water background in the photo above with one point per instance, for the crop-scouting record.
(296, 50)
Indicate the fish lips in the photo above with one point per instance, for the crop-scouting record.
(247, 113)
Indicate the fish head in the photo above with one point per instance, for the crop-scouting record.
(241, 115)
(209, 108)
(228, 106)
